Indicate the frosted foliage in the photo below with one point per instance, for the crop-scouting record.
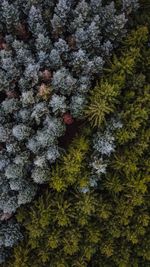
(55, 59)
(40, 161)
(64, 82)
(35, 21)
(21, 132)
(31, 72)
(26, 195)
(40, 175)
(84, 84)
(61, 46)
(94, 34)
(82, 9)
(107, 47)
(103, 147)
(62, 8)
(39, 111)
(45, 138)
(104, 143)
(14, 171)
(52, 154)
(24, 115)
(16, 185)
(4, 161)
(33, 146)
(50, 54)
(11, 205)
(80, 60)
(27, 98)
(96, 5)
(54, 125)
(9, 234)
(128, 4)
(98, 165)
(60, 14)
(43, 43)
(12, 148)
(22, 159)
(23, 54)
(58, 104)
(10, 105)
(10, 14)
(76, 103)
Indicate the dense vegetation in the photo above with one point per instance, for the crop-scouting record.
(108, 226)
(94, 209)
(50, 53)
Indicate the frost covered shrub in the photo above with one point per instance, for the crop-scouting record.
(58, 104)
(50, 52)
(128, 4)
(9, 235)
(103, 147)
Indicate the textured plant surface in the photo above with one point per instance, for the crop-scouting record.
(109, 226)
(51, 52)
